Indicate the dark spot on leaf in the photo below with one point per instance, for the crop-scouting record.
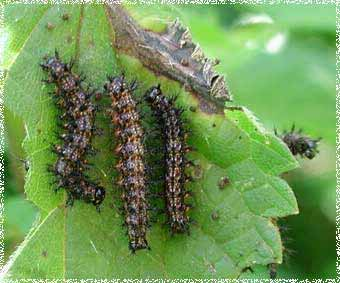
(44, 253)
(197, 172)
(50, 26)
(224, 181)
(214, 125)
(69, 39)
(240, 137)
(192, 109)
(39, 131)
(65, 17)
(215, 215)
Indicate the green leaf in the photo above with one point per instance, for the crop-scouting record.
(20, 21)
(233, 225)
(283, 87)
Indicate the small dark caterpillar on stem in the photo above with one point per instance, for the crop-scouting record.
(169, 118)
(299, 144)
(78, 116)
(131, 165)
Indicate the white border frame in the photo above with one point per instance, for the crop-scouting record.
(198, 2)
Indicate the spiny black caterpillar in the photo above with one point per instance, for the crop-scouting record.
(299, 144)
(78, 116)
(170, 120)
(131, 166)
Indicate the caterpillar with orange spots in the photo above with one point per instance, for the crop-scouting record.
(78, 118)
(131, 165)
(169, 118)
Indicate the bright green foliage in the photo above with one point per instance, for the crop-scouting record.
(233, 227)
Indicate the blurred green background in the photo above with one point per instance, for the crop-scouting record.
(279, 61)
